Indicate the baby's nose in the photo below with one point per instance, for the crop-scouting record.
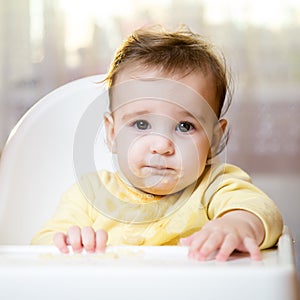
(161, 145)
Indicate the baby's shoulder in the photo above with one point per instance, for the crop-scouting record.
(96, 179)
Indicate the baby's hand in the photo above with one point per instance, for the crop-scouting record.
(235, 230)
(85, 238)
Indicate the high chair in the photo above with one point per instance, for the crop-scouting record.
(58, 140)
(37, 163)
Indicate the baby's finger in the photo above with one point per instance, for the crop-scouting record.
(88, 238)
(186, 241)
(60, 242)
(251, 246)
(209, 246)
(198, 239)
(229, 244)
(101, 240)
(74, 238)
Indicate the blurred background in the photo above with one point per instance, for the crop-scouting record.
(46, 43)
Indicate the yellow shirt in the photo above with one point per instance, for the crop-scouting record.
(103, 201)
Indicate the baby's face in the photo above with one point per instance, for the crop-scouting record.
(161, 130)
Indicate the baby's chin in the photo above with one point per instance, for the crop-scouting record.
(159, 186)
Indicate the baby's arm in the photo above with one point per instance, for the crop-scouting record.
(81, 238)
(73, 220)
(235, 230)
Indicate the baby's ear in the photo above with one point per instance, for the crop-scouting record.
(110, 131)
(218, 132)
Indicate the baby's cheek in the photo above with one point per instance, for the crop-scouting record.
(194, 157)
(134, 161)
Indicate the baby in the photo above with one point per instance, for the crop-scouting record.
(168, 93)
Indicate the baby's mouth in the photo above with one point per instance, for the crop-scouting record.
(159, 167)
(160, 170)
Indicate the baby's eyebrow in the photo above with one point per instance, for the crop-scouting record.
(131, 115)
(182, 114)
(199, 118)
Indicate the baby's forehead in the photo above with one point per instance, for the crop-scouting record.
(157, 94)
(152, 88)
(137, 82)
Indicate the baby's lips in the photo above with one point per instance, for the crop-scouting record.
(160, 167)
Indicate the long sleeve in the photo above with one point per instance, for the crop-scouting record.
(230, 188)
(73, 209)
(222, 188)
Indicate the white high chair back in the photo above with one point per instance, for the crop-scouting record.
(37, 163)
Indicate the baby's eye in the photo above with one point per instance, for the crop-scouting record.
(142, 124)
(184, 126)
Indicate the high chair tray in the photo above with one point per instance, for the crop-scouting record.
(142, 272)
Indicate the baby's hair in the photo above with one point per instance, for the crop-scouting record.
(180, 51)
